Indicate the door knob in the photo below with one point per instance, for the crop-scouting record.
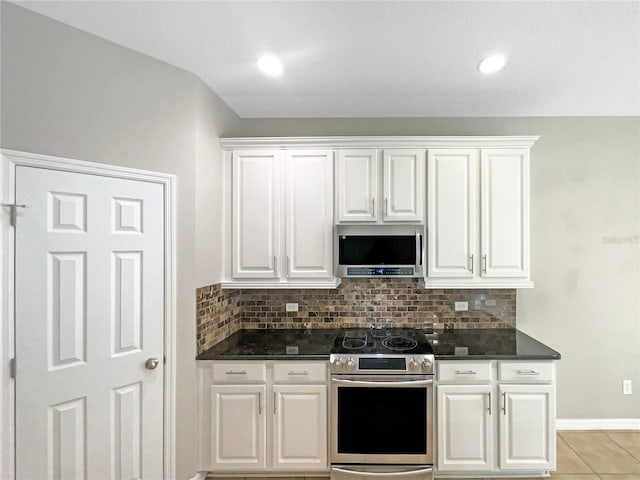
(151, 363)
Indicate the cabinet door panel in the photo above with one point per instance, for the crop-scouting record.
(527, 427)
(300, 427)
(256, 216)
(465, 428)
(452, 206)
(357, 185)
(309, 207)
(403, 185)
(505, 213)
(238, 429)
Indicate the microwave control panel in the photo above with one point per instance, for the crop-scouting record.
(380, 271)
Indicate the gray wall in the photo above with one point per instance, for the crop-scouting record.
(67, 93)
(585, 222)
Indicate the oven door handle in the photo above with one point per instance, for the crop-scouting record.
(377, 384)
(360, 473)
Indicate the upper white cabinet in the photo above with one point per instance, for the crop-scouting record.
(505, 213)
(403, 185)
(281, 218)
(309, 214)
(452, 213)
(478, 218)
(368, 192)
(256, 214)
(357, 185)
(283, 199)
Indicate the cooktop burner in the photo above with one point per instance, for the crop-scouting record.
(390, 341)
(399, 343)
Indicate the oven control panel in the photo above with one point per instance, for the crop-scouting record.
(381, 364)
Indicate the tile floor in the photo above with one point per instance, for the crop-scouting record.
(592, 455)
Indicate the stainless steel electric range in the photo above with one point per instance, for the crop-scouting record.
(382, 405)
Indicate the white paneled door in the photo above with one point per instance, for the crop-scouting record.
(89, 304)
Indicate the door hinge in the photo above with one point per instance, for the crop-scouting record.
(12, 368)
(13, 212)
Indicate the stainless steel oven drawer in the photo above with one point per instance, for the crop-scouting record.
(352, 472)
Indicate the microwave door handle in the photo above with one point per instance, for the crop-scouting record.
(418, 251)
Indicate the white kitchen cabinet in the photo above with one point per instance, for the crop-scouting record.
(465, 428)
(309, 214)
(256, 213)
(496, 417)
(357, 185)
(238, 427)
(403, 185)
(300, 427)
(361, 197)
(282, 219)
(452, 212)
(263, 417)
(527, 427)
(505, 213)
(478, 218)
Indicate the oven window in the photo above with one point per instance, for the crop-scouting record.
(382, 420)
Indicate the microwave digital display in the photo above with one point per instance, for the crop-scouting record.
(378, 250)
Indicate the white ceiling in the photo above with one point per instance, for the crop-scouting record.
(388, 58)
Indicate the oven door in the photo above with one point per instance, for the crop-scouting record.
(382, 419)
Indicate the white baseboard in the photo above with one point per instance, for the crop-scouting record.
(598, 424)
(199, 476)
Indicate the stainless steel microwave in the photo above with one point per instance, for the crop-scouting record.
(380, 254)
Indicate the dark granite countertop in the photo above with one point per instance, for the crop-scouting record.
(498, 343)
(271, 344)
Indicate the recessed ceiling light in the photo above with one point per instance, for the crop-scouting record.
(492, 64)
(270, 65)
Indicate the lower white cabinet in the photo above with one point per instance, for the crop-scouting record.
(465, 428)
(527, 433)
(263, 416)
(496, 417)
(300, 427)
(238, 426)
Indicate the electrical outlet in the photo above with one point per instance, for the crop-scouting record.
(291, 307)
(462, 306)
(626, 387)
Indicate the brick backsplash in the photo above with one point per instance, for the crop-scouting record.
(217, 315)
(356, 303)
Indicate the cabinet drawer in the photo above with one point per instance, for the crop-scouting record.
(239, 372)
(299, 372)
(464, 371)
(525, 372)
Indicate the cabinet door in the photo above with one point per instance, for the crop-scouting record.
(527, 427)
(256, 215)
(300, 427)
(505, 213)
(357, 185)
(451, 218)
(465, 428)
(403, 185)
(238, 427)
(309, 214)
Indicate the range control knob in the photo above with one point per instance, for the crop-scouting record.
(426, 365)
(414, 365)
(351, 364)
(338, 363)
